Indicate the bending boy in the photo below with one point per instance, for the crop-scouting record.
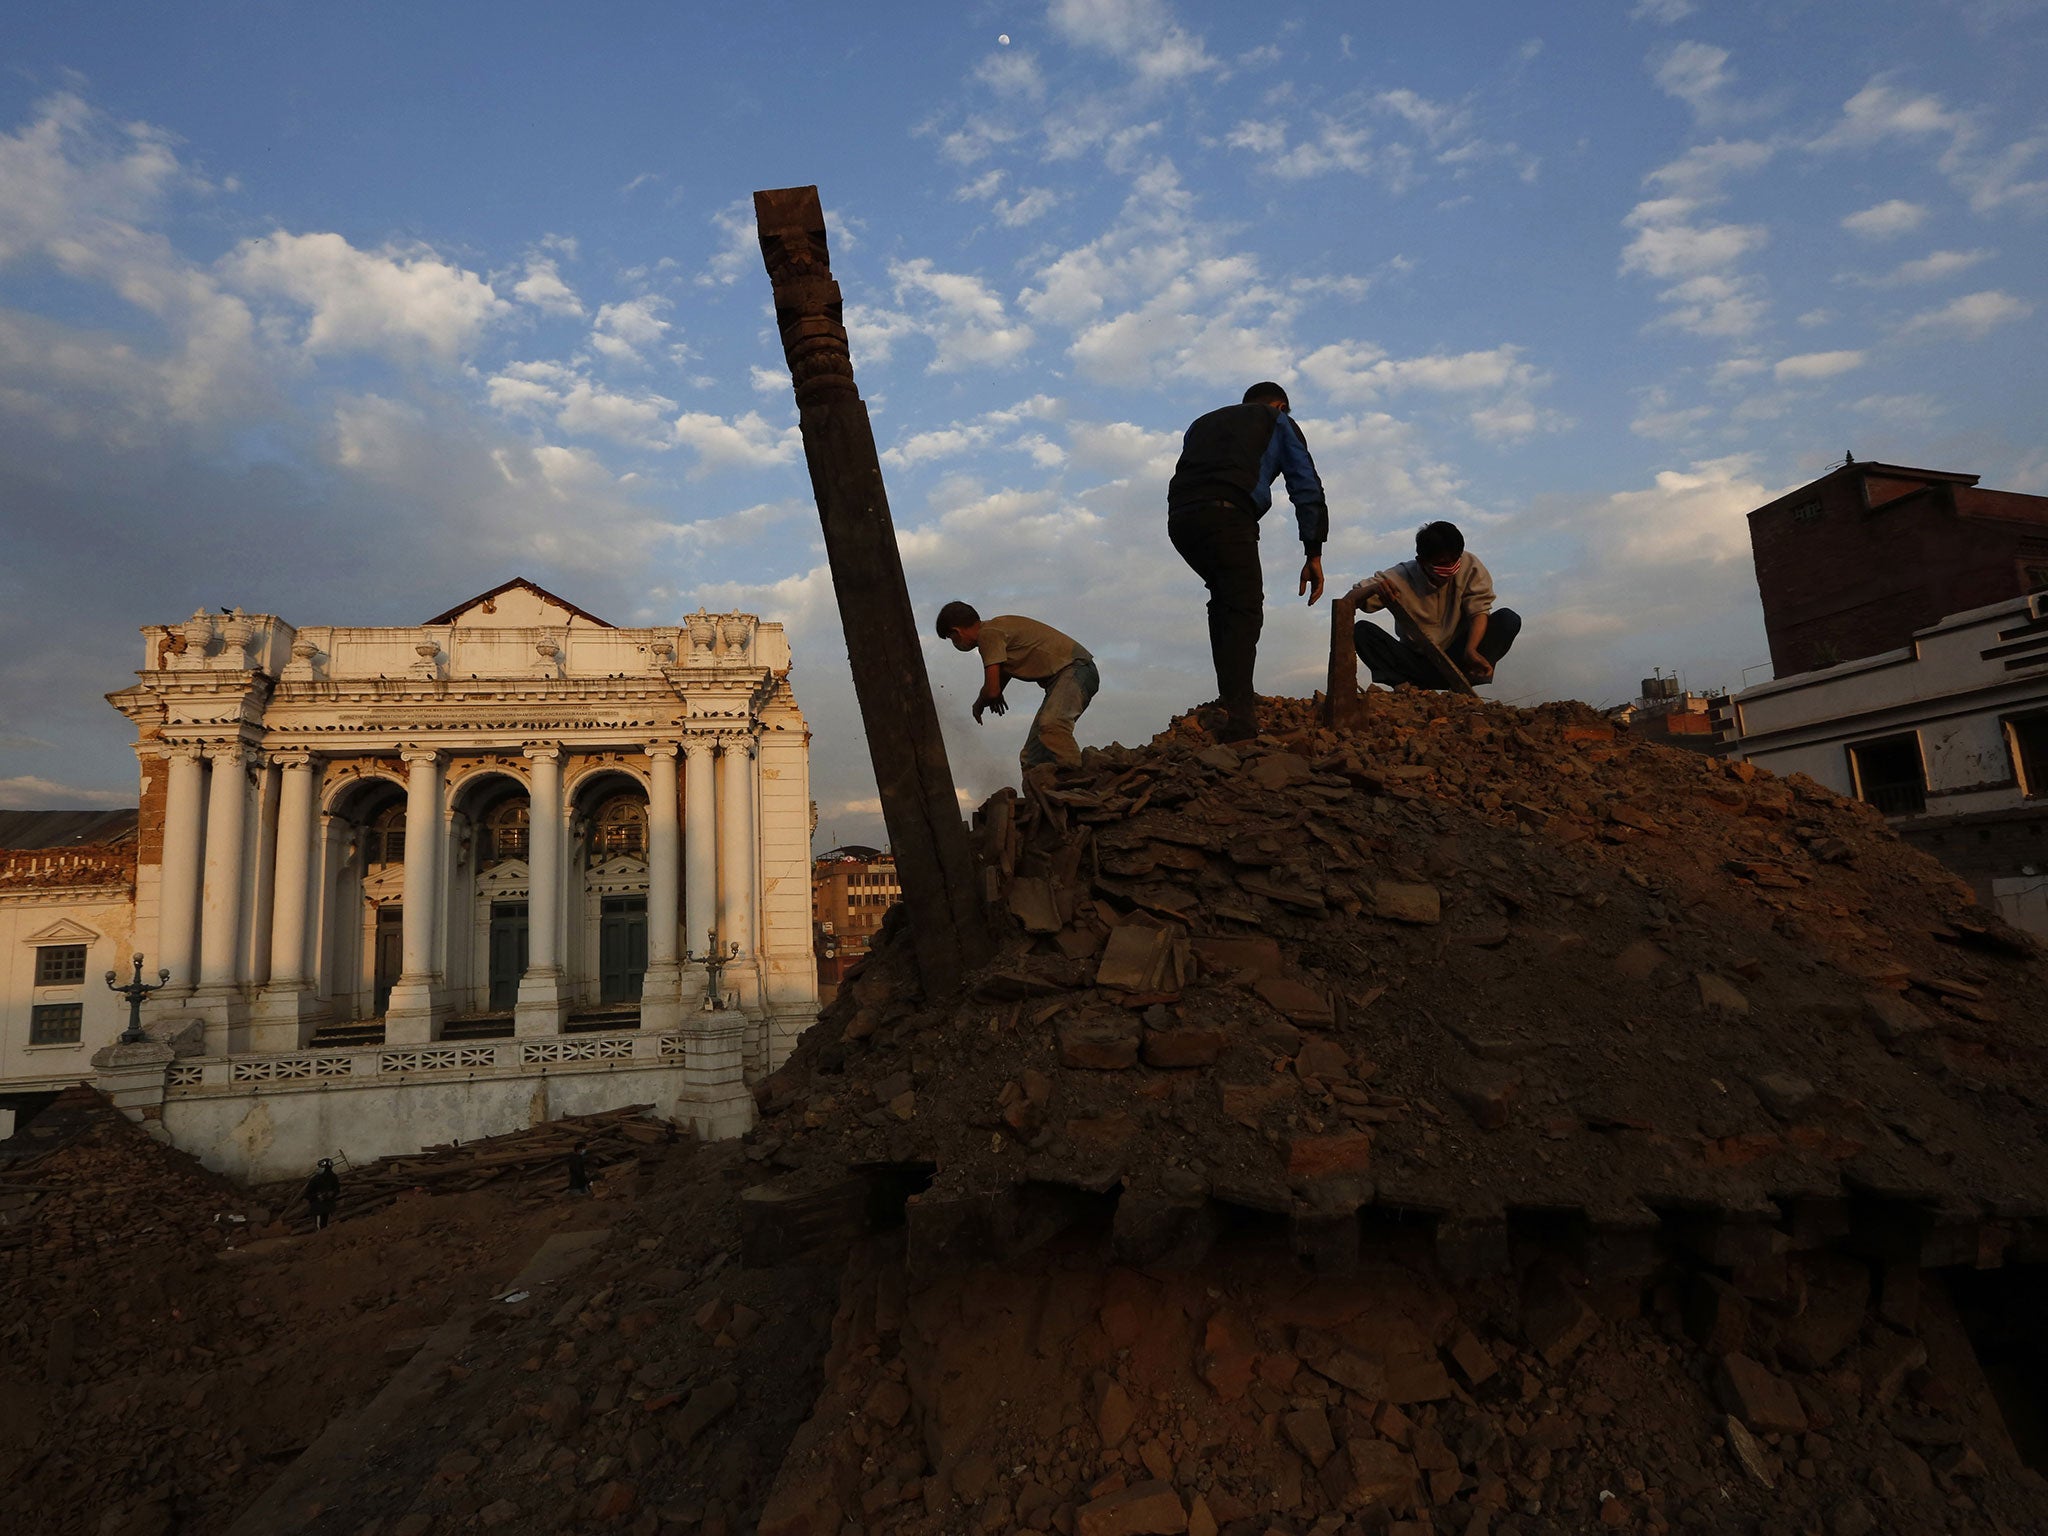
(1014, 646)
(1450, 594)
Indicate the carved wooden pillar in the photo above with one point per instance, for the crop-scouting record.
(948, 921)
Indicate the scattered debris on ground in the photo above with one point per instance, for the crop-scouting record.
(1477, 1123)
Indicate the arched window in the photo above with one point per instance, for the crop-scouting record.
(384, 838)
(620, 826)
(504, 831)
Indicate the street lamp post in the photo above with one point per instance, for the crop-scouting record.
(135, 991)
(715, 961)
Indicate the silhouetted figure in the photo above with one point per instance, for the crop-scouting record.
(579, 1171)
(323, 1192)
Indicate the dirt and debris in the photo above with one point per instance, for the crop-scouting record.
(1479, 1123)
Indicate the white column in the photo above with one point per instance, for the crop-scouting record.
(736, 848)
(177, 923)
(542, 1004)
(700, 852)
(661, 988)
(220, 896)
(409, 1017)
(285, 999)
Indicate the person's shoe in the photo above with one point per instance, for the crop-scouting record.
(1211, 717)
(1236, 728)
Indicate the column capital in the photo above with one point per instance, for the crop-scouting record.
(185, 751)
(736, 739)
(699, 743)
(295, 758)
(234, 752)
(418, 755)
(541, 753)
(663, 749)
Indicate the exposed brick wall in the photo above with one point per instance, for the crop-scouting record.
(1851, 564)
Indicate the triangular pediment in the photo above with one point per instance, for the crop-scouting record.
(517, 604)
(620, 866)
(387, 884)
(508, 875)
(63, 931)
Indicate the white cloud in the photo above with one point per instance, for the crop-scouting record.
(1816, 365)
(1813, 318)
(1667, 246)
(1664, 12)
(543, 287)
(1351, 371)
(739, 246)
(1702, 168)
(1142, 34)
(621, 330)
(1696, 74)
(1931, 268)
(1012, 72)
(1880, 111)
(746, 442)
(1974, 315)
(397, 300)
(1886, 220)
(966, 321)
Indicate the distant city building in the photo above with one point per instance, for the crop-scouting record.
(1945, 730)
(450, 876)
(1669, 712)
(851, 889)
(1854, 563)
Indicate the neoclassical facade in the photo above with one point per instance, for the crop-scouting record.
(515, 831)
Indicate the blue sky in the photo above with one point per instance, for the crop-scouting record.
(346, 314)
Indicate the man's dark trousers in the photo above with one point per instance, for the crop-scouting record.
(1220, 543)
(1393, 660)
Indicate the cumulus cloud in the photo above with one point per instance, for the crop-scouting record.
(1974, 315)
(1144, 35)
(1663, 12)
(544, 288)
(624, 330)
(400, 300)
(964, 319)
(745, 442)
(1885, 220)
(1931, 268)
(1816, 365)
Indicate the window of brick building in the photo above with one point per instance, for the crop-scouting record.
(55, 1023)
(2028, 737)
(60, 965)
(1890, 775)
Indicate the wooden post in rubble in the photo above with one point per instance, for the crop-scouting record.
(941, 891)
(1343, 703)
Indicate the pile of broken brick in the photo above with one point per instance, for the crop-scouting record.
(1468, 960)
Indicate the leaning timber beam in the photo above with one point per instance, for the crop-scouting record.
(948, 922)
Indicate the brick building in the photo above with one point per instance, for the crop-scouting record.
(1908, 620)
(851, 888)
(1852, 564)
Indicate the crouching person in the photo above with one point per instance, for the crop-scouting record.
(1449, 594)
(1014, 646)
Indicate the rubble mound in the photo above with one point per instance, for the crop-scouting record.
(1468, 963)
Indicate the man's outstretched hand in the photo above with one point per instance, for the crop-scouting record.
(996, 705)
(1311, 580)
(1477, 668)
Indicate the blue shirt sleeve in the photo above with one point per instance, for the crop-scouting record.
(1287, 455)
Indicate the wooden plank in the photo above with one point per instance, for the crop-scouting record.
(948, 921)
(1445, 668)
(1343, 702)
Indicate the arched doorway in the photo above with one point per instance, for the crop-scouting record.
(609, 864)
(489, 890)
(362, 913)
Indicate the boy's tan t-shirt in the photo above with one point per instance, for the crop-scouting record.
(1028, 649)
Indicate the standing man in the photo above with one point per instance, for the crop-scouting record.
(1449, 593)
(1220, 489)
(323, 1193)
